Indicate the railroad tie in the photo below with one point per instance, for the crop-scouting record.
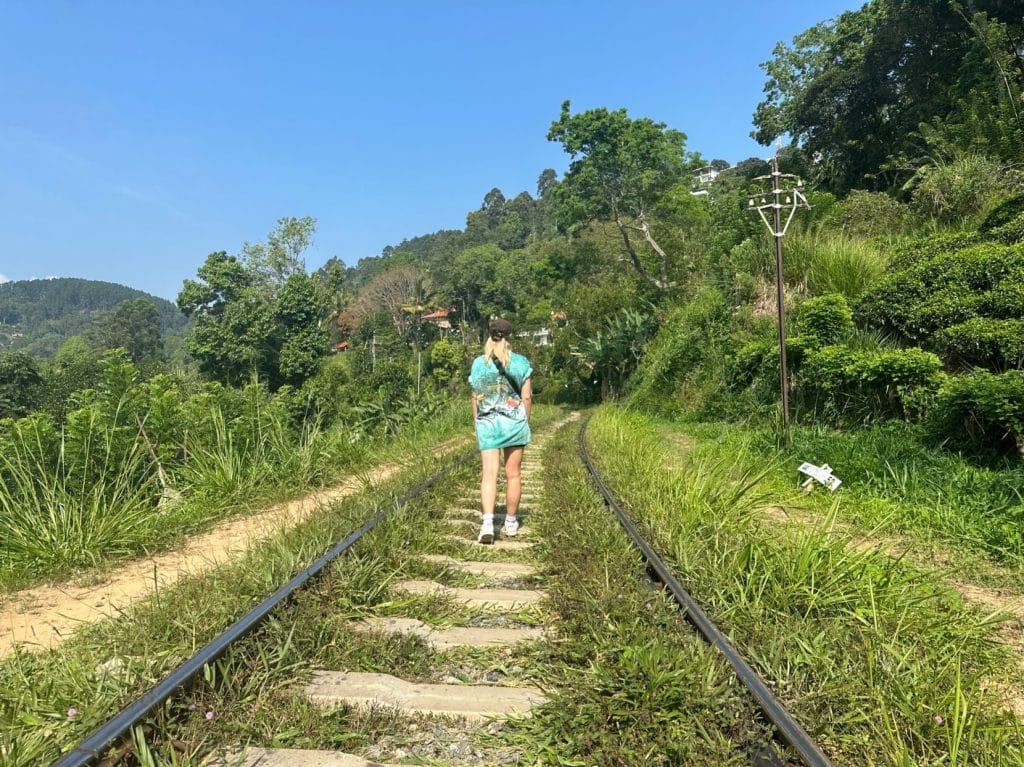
(294, 757)
(483, 569)
(456, 636)
(506, 599)
(501, 544)
(333, 689)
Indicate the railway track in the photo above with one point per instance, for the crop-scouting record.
(501, 592)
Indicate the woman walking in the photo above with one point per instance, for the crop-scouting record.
(502, 402)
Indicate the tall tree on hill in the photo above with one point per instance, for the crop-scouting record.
(274, 261)
(619, 171)
(251, 319)
(133, 326)
(21, 384)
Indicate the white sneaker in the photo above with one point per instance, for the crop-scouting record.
(486, 533)
(511, 527)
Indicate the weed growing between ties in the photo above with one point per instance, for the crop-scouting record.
(628, 681)
(881, 663)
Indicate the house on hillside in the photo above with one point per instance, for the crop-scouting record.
(703, 177)
(441, 318)
(540, 337)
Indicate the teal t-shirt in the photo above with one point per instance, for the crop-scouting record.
(500, 412)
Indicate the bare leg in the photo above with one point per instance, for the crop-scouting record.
(490, 460)
(513, 480)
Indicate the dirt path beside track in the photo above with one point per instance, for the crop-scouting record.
(44, 616)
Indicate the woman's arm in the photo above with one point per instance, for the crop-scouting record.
(528, 397)
(472, 398)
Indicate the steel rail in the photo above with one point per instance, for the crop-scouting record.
(119, 725)
(787, 726)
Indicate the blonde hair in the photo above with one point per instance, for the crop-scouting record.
(500, 349)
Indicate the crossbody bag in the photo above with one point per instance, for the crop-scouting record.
(512, 382)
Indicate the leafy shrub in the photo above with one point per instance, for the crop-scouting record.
(939, 288)
(984, 342)
(758, 360)
(826, 319)
(1010, 233)
(912, 252)
(986, 408)
(1002, 214)
(945, 307)
(872, 214)
(954, 192)
(843, 384)
(689, 335)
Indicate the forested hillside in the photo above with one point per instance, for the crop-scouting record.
(37, 316)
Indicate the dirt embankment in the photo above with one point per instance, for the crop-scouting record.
(44, 616)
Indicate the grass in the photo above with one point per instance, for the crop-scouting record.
(249, 692)
(892, 484)
(107, 664)
(880, 661)
(629, 683)
(833, 263)
(57, 521)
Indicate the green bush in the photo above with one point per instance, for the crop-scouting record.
(758, 360)
(1010, 233)
(957, 191)
(826, 319)
(842, 384)
(912, 252)
(984, 342)
(935, 289)
(1003, 213)
(872, 214)
(985, 408)
(690, 337)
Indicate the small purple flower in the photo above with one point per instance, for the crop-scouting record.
(209, 715)
(938, 719)
(72, 713)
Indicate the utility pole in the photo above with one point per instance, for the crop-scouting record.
(787, 193)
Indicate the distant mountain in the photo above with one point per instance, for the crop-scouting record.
(37, 316)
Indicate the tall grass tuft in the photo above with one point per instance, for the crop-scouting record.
(67, 508)
(830, 262)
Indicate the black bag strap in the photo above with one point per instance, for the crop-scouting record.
(512, 382)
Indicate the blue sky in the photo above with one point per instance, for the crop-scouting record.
(136, 137)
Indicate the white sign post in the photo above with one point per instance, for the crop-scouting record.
(823, 474)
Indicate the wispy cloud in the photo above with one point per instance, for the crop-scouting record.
(4, 278)
(102, 176)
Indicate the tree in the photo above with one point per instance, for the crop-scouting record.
(857, 94)
(301, 338)
(445, 361)
(241, 331)
(21, 385)
(274, 261)
(620, 169)
(75, 366)
(133, 326)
